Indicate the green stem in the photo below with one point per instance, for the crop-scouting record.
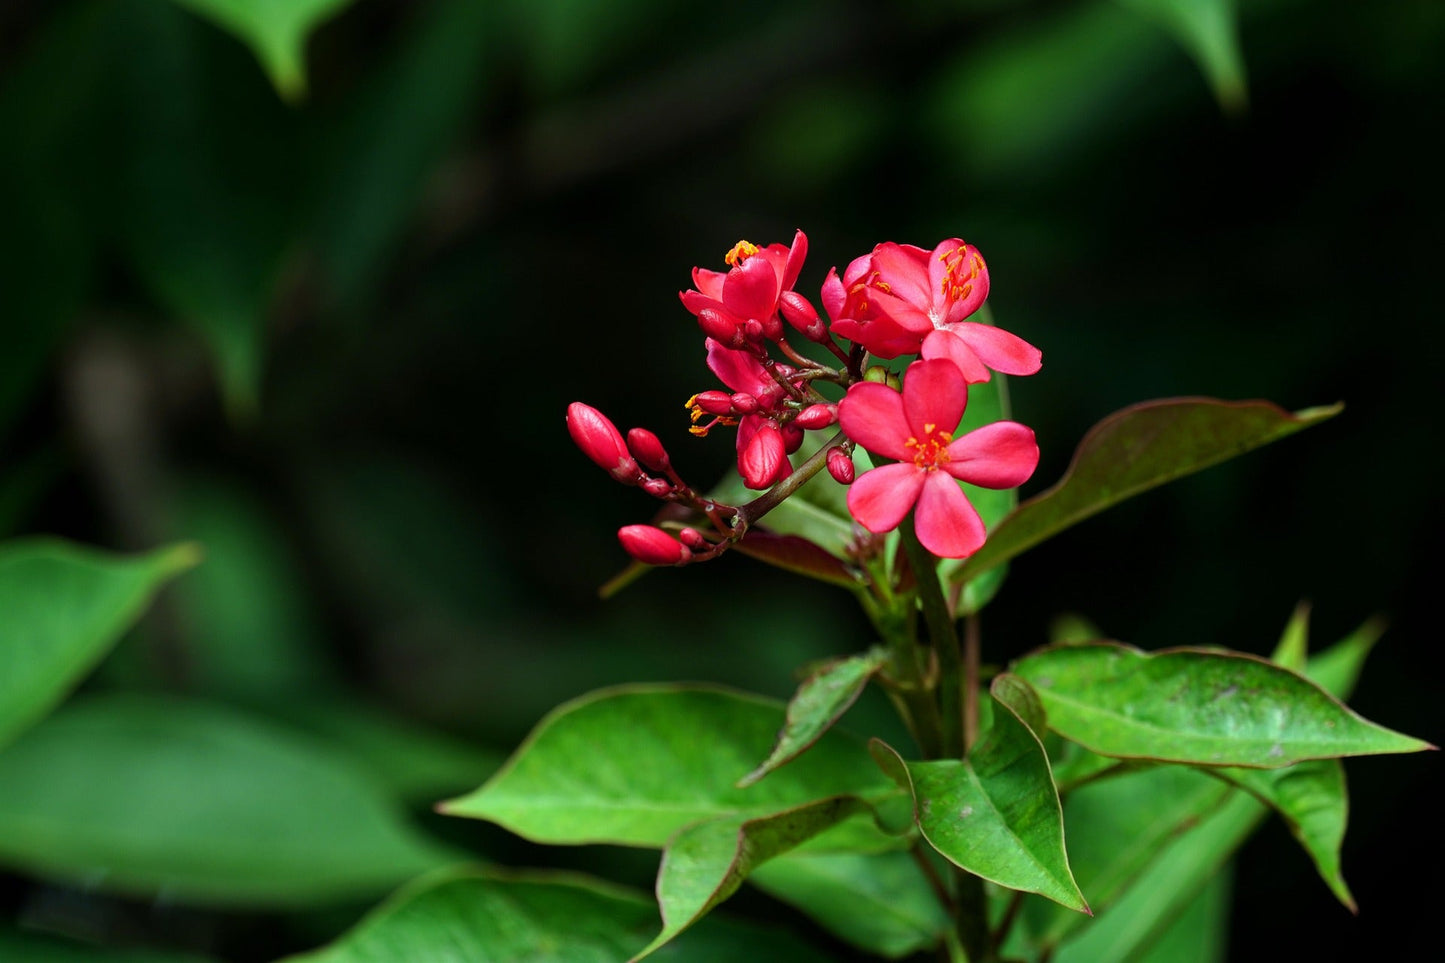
(942, 634)
(973, 918)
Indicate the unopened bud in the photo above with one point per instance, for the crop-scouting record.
(840, 466)
(658, 487)
(692, 538)
(753, 331)
(744, 403)
(600, 440)
(720, 328)
(648, 449)
(652, 546)
(714, 402)
(792, 437)
(763, 462)
(812, 418)
(772, 328)
(876, 374)
(800, 313)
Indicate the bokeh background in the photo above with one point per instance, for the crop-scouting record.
(324, 315)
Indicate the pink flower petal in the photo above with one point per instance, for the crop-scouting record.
(880, 498)
(999, 349)
(834, 295)
(947, 523)
(904, 269)
(751, 290)
(880, 336)
(958, 278)
(737, 369)
(872, 415)
(696, 301)
(794, 266)
(1001, 455)
(906, 315)
(934, 394)
(857, 267)
(710, 283)
(944, 344)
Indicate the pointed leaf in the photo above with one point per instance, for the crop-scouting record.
(1337, 669)
(1209, 31)
(1292, 650)
(632, 765)
(149, 796)
(485, 917)
(705, 863)
(819, 702)
(276, 30)
(62, 606)
(879, 902)
(995, 814)
(1132, 451)
(1200, 707)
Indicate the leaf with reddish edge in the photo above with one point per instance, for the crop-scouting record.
(819, 702)
(796, 554)
(706, 862)
(1198, 707)
(1131, 451)
(995, 814)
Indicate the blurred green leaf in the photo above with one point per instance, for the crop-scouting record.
(996, 813)
(36, 948)
(820, 701)
(539, 918)
(276, 30)
(149, 796)
(879, 902)
(632, 765)
(62, 606)
(1338, 668)
(1193, 706)
(706, 862)
(1209, 31)
(1131, 451)
(1292, 650)
(1200, 933)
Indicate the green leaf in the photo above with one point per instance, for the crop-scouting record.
(1200, 933)
(819, 702)
(1209, 31)
(1131, 451)
(879, 902)
(36, 948)
(1338, 668)
(1200, 707)
(276, 30)
(634, 764)
(705, 863)
(1293, 648)
(154, 796)
(1071, 627)
(484, 917)
(62, 606)
(995, 814)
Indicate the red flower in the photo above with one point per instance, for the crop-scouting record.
(763, 444)
(751, 289)
(902, 299)
(915, 429)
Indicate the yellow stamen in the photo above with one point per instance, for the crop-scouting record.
(740, 252)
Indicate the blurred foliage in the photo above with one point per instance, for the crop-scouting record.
(311, 283)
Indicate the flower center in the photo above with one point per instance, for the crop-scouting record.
(960, 270)
(858, 294)
(740, 252)
(932, 451)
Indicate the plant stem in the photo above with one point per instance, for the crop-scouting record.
(971, 693)
(973, 918)
(943, 636)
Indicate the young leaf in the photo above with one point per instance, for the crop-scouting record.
(634, 764)
(1199, 707)
(62, 606)
(1131, 451)
(819, 702)
(879, 902)
(1338, 668)
(1292, 650)
(1209, 31)
(276, 31)
(705, 863)
(995, 814)
(148, 795)
(478, 915)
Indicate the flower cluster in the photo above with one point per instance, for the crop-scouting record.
(896, 301)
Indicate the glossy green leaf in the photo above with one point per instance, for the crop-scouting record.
(879, 902)
(1131, 451)
(1199, 707)
(995, 814)
(819, 702)
(62, 606)
(634, 764)
(705, 863)
(147, 796)
(276, 30)
(1209, 31)
(482, 917)
(36, 948)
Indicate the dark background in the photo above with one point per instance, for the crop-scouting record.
(333, 340)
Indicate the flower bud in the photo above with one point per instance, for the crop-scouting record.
(772, 328)
(652, 546)
(720, 328)
(876, 374)
(800, 313)
(648, 449)
(753, 331)
(714, 402)
(763, 462)
(840, 466)
(813, 417)
(692, 538)
(658, 487)
(744, 403)
(792, 438)
(600, 440)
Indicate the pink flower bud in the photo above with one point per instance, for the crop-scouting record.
(600, 440)
(714, 402)
(658, 487)
(652, 546)
(744, 403)
(648, 449)
(764, 461)
(813, 417)
(753, 331)
(772, 327)
(840, 466)
(800, 313)
(715, 325)
(692, 538)
(792, 438)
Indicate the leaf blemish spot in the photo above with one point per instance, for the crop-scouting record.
(965, 812)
